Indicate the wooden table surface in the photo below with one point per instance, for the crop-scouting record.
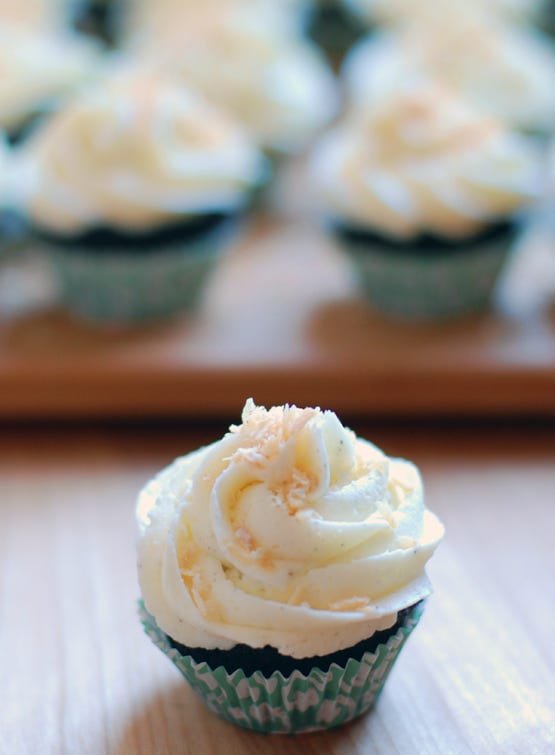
(79, 676)
(281, 319)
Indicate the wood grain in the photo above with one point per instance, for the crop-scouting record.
(281, 321)
(79, 676)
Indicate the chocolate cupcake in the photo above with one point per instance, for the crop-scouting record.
(282, 568)
(425, 193)
(136, 187)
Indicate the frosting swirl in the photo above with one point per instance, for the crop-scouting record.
(506, 71)
(38, 68)
(252, 62)
(136, 153)
(290, 531)
(423, 161)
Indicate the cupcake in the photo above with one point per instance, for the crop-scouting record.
(282, 568)
(425, 193)
(40, 70)
(249, 59)
(507, 71)
(133, 192)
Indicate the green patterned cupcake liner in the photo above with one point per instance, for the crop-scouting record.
(13, 239)
(428, 286)
(10, 250)
(296, 703)
(122, 287)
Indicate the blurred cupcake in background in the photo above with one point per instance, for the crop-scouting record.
(136, 188)
(425, 192)
(507, 71)
(250, 59)
(40, 69)
(143, 18)
(407, 11)
(38, 15)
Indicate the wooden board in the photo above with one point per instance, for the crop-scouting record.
(80, 677)
(281, 321)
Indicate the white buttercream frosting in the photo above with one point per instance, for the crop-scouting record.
(251, 61)
(147, 21)
(137, 152)
(39, 69)
(423, 160)
(391, 11)
(507, 71)
(35, 14)
(290, 532)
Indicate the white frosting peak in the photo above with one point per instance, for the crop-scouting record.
(422, 160)
(37, 68)
(35, 14)
(290, 531)
(250, 60)
(138, 152)
(506, 71)
(409, 10)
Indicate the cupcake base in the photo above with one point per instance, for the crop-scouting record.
(428, 278)
(264, 691)
(108, 276)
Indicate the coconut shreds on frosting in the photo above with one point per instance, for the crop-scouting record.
(290, 532)
(423, 160)
(136, 152)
